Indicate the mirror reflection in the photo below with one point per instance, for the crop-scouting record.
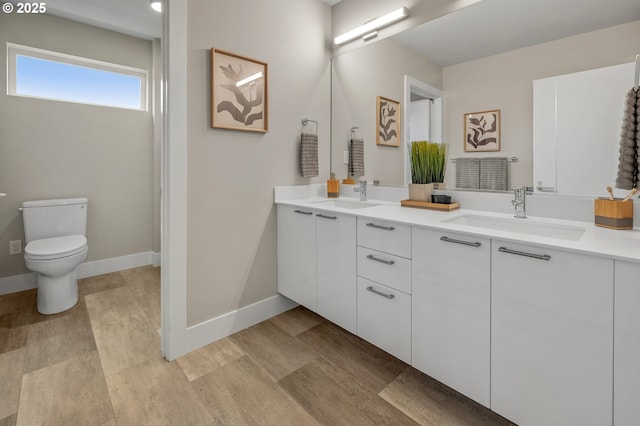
(472, 68)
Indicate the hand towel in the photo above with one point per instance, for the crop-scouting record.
(628, 165)
(468, 173)
(356, 157)
(309, 155)
(494, 173)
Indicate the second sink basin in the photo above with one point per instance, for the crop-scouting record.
(522, 226)
(347, 204)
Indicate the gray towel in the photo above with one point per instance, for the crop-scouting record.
(628, 165)
(468, 173)
(356, 157)
(309, 155)
(494, 173)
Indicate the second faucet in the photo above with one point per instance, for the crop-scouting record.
(362, 189)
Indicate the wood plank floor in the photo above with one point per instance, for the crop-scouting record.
(100, 364)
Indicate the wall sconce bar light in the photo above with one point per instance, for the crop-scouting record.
(156, 5)
(373, 25)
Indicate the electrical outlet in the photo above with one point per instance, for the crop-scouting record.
(15, 247)
(346, 157)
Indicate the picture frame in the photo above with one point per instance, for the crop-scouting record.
(239, 92)
(387, 122)
(482, 131)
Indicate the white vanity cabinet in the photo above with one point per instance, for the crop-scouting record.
(551, 336)
(297, 254)
(336, 268)
(384, 286)
(451, 310)
(626, 350)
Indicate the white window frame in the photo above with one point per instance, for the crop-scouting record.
(16, 49)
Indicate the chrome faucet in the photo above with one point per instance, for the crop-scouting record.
(519, 202)
(362, 189)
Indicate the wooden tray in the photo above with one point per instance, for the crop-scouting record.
(430, 206)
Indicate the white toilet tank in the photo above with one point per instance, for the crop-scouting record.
(54, 218)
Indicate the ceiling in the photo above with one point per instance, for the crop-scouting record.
(133, 17)
(490, 27)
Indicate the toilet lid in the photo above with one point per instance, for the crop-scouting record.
(54, 248)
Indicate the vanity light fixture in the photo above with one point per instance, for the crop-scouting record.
(373, 25)
(249, 79)
(371, 35)
(156, 5)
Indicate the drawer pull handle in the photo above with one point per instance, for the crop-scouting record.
(377, 259)
(524, 253)
(302, 212)
(386, 228)
(379, 293)
(327, 217)
(466, 243)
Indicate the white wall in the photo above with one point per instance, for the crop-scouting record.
(505, 82)
(419, 123)
(51, 149)
(231, 245)
(361, 75)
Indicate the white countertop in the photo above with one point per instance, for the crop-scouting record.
(618, 244)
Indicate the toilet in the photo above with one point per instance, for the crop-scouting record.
(55, 234)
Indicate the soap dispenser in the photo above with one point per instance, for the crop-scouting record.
(333, 186)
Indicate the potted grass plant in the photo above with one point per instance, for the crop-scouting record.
(428, 166)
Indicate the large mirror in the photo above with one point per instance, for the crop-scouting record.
(480, 58)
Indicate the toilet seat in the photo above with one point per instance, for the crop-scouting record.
(55, 248)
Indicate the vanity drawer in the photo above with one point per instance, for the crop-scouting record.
(384, 268)
(382, 235)
(384, 318)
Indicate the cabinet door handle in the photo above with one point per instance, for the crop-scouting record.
(302, 212)
(466, 243)
(524, 253)
(379, 293)
(386, 228)
(546, 188)
(326, 217)
(377, 259)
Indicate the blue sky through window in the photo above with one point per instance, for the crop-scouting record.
(57, 80)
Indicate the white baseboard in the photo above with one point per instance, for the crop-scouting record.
(16, 283)
(114, 264)
(156, 259)
(209, 331)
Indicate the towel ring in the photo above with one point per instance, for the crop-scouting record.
(306, 121)
(353, 131)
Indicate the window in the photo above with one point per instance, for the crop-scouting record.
(38, 73)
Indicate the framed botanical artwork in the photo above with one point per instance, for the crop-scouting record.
(482, 131)
(238, 92)
(387, 122)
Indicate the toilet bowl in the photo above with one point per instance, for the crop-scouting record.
(56, 244)
(55, 261)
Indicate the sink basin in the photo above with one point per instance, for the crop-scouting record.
(522, 226)
(347, 204)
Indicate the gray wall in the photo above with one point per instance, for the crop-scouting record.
(52, 149)
(359, 76)
(505, 82)
(231, 243)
